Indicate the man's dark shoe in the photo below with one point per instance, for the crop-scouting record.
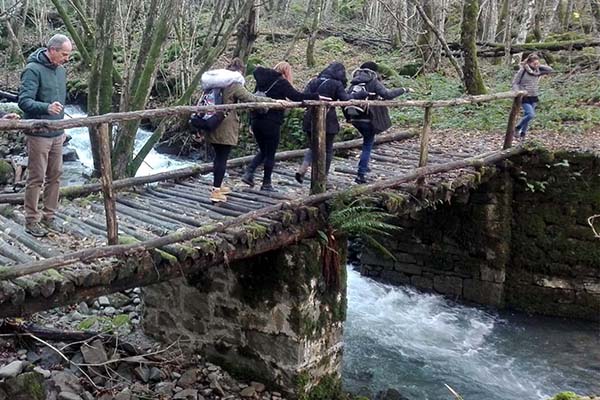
(299, 177)
(267, 187)
(248, 179)
(35, 229)
(52, 225)
(360, 179)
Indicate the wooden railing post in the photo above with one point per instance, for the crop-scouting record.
(318, 177)
(512, 121)
(423, 154)
(107, 184)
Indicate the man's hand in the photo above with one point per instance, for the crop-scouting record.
(409, 90)
(285, 102)
(55, 108)
(12, 116)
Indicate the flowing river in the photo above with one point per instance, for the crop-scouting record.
(396, 337)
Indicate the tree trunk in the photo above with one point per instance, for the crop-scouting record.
(247, 33)
(549, 25)
(317, 7)
(100, 83)
(595, 6)
(124, 143)
(472, 76)
(502, 27)
(427, 39)
(525, 26)
(16, 52)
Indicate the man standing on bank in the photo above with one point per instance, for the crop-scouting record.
(42, 96)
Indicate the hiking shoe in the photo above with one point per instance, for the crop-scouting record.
(299, 177)
(248, 179)
(360, 179)
(225, 189)
(35, 229)
(52, 225)
(267, 187)
(216, 196)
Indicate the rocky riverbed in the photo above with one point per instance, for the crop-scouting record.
(46, 360)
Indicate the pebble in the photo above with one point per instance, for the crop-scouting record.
(76, 316)
(103, 301)
(137, 290)
(110, 311)
(137, 301)
(83, 308)
(248, 392)
(68, 396)
(259, 387)
(187, 394)
(13, 369)
(44, 372)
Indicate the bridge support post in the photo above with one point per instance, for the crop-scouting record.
(424, 153)
(271, 318)
(512, 121)
(110, 207)
(318, 178)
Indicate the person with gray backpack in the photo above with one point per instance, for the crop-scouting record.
(369, 120)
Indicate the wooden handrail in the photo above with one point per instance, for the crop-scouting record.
(39, 124)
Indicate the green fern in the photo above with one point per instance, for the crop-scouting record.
(366, 222)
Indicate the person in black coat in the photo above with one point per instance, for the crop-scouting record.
(331, 83)
(276, 84)
(377, 118)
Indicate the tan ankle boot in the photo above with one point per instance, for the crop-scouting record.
(216, 196)
(225, 189)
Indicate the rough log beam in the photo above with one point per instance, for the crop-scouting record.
(188, 234)
(32, 124)
(82, 190)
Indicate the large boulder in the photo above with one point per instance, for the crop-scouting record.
(27, 386)
(7, 173)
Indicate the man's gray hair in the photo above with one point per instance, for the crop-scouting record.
(57, 41)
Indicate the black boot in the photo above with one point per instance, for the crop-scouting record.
(248, 178)
(360, 179)
(267, 187)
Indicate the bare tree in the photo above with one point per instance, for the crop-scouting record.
(472, 76)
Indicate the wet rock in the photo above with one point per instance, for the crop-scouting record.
(87, 396)
(13, 369)
(44, 372)
(94, 353)
(33, 357)
(76, 316)
(188, 379)
(186, 394)
(6, 172)
(49, 358)
(69, 154)
(27, 386)
(248, 392)
(390, 394)
(68, 396)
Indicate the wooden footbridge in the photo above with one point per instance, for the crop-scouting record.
(150, 229)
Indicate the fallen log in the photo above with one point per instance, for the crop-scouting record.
(88, 255)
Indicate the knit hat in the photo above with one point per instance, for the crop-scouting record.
(370, 65)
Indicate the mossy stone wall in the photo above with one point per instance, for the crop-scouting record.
(271, 318)
(520, 240)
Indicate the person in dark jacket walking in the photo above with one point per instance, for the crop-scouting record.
(42, 95)
(330, 84)
(376, 119)
(277, 84)
(527, 78)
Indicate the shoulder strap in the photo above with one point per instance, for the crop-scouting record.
(522, 75)
(272, 85)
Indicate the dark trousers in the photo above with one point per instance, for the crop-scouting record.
(366, 130)
(220, 162)
(329, 138)
(267, 135)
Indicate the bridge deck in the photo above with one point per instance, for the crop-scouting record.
(159, 209)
